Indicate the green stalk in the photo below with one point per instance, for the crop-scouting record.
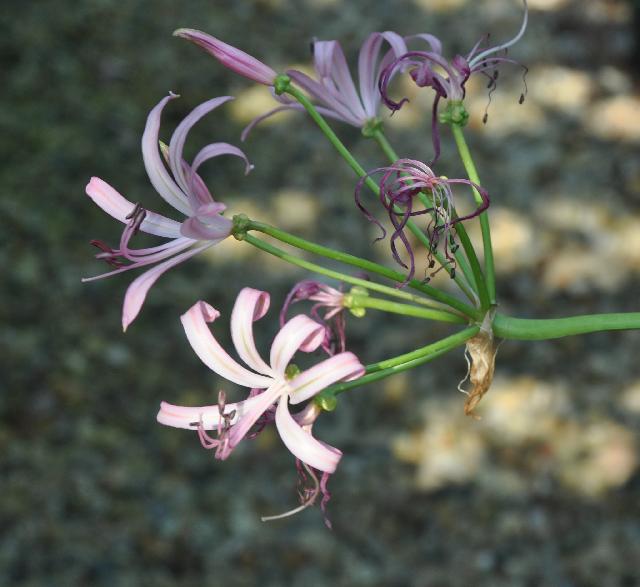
(369, 285)
(368, 266)
(389, 151)
(472, 173)
(534, 329)
(359, 170)
(376, 371)
(355, 301)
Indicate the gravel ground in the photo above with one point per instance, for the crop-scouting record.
(542, 491)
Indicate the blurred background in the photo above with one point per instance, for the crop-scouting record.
(542, 491)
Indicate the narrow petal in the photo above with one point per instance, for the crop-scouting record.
(209, 416)
(211, 353)
(251, 305)
(217, 149)
(231, 57)
(368, 73)
(117, 206)
(139, 287)
(176, 145)
(258, 405)
(156, 170)
(305, 447)
(301, 332)
(341, 367)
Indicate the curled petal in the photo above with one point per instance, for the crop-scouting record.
(179, 137)
(305, 447)
(117, 206)
(340, 367)
(139, 287)
(231, 57)
(299, 333)
(251, 305)
(217, 149)
(157, 172)
(211, 353)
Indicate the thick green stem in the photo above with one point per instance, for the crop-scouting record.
(389, 151)
(383, 369)
(534, 329)
(360, 171)
(368, 266)
(355, 301)
(472, 173)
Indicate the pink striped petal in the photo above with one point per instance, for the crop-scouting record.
(139, 287)
(231, 57)
(305, 447)
(176, 145)
(340, 367)
(211, 353)
(208, 224)
(156, 170)
(301, 332)
(117, 206)
(251, 305)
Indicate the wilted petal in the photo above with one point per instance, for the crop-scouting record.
(156, 170)
(211, 353)
(139, 287)
(305, 447)
(299, 333)
(117, 206)
(341, 367)
(251, 305)
(231, 57)
(179, 137)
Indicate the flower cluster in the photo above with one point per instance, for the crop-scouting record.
(406, 189)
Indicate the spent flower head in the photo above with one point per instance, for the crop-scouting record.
(400, 185)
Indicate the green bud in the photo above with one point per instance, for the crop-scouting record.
(327, 401)
(291, 371)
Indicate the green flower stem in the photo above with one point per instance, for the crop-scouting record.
(368, 266)
(359, 170)
(472, 173)
(356, 301)
(376, 371)
(534, 329)
(389, 151)
(369, 285)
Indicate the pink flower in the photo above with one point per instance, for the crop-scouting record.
(232, 58)
(334, 90)
(183, 189)
(233, 421)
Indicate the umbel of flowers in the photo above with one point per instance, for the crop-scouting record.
(412, 203)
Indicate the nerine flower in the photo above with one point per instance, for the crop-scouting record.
(327, 298)
(399, 186)
(273, 383)
(447, 78)
(334, 91)
(182, 188)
